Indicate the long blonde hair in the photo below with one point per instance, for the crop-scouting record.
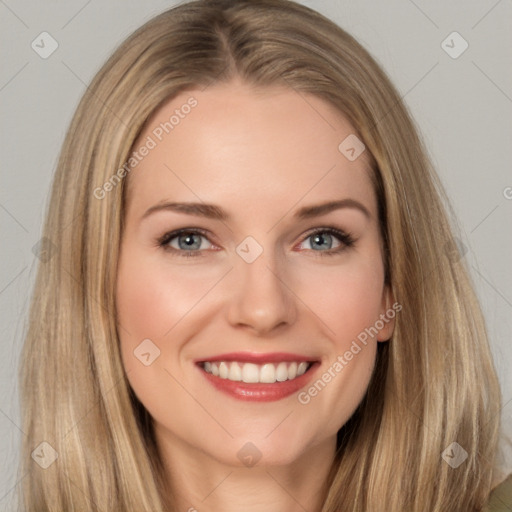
(434, 383)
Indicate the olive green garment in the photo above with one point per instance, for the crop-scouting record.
(500, 499)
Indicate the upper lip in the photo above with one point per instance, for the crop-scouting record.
(254, 357)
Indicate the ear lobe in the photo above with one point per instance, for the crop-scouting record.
(389, 309)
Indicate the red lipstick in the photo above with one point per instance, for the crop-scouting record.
(259, 391)
(258, 358)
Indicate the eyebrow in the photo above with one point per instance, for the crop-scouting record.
(211, 211)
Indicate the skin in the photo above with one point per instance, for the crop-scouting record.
(260, 155)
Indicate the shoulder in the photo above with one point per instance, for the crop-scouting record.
(500, 499)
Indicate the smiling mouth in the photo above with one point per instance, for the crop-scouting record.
(251, 373)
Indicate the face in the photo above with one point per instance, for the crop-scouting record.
(259, 322)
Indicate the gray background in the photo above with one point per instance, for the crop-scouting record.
(463, 107)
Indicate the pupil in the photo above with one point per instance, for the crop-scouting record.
(189, 240)
(319, 239)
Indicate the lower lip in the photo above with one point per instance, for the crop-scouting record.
(258, 392)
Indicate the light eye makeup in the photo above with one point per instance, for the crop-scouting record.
(315, 237)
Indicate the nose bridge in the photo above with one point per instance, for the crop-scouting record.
(261, 298)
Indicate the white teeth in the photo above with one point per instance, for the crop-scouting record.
(282, 372)
(292, 371)
(235, 372)
(250, 372)
(302, 368)
(266, 373)
(223, 370)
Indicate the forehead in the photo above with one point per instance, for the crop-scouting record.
(250, 148)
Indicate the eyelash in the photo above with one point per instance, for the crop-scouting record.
(346, 240)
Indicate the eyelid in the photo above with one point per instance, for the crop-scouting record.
(170, 235)
(345, 238)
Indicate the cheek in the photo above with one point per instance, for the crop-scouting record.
(151, 297)
(348, 303)
(347, 299)
(337, 302)
(149, 304)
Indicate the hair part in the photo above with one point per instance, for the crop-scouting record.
(433, 384)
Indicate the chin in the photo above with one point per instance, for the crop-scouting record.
(242, 452)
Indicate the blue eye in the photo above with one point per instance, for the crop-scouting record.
(189, 241)
(322, 235)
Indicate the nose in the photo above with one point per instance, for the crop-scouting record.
(262, 300)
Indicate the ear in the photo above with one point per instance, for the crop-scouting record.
(389, 309)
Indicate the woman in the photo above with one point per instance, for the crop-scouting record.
(200, 354)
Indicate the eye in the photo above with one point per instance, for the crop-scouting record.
(323, 237)
(187, 242)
